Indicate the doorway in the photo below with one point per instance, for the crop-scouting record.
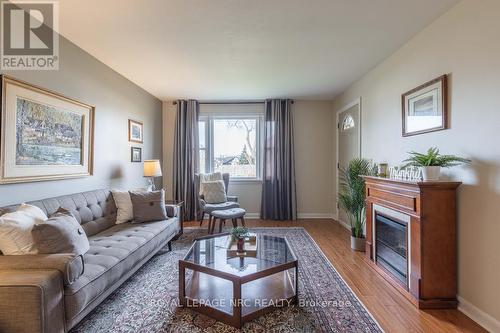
(348, 144)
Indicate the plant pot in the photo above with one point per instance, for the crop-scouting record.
(240, 245)
(358, 244)
(430, 173)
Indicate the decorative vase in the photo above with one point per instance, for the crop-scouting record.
(430, 173)
(358, 244)
(240, 245)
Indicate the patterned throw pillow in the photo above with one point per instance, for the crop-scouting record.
(214, 192)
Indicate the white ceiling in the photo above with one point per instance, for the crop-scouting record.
(244, 49)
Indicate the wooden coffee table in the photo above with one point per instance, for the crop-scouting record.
(237, 289)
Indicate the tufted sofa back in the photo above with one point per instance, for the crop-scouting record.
(94, 210)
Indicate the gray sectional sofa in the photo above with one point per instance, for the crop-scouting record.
(52, 293)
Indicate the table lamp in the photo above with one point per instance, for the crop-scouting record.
(152, 169)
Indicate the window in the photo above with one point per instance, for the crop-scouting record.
(230, 144)
(347, 123)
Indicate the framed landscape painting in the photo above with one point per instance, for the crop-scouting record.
(44, 135)
(425, 108)
(135, 129)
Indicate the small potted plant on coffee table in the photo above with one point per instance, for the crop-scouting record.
(239, 234)
(431, 162)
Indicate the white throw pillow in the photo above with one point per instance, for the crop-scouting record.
(125, 211)
(15, 230)
(215, 192)
(32, 211)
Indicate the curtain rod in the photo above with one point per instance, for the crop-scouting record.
(175, 102)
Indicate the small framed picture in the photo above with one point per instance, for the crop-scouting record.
(135, 131)
(425, 108)
(135, 154)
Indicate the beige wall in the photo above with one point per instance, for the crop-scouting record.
(463, 43)
(314, 139)
(116, 99)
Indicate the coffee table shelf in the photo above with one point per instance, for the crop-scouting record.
(237, 289)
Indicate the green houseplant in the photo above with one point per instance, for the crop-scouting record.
(431, 162)
(352, 197)
(239, 234)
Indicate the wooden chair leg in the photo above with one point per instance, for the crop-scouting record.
(202, 217)
(235, 223)
(209, 223)
(212, 225)
(243, 220)
(221, 221)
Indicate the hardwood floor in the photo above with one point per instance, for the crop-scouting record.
(393, 312)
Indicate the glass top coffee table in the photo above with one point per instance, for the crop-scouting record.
(236, 288)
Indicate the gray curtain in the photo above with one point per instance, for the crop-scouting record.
(279, 200)
(186, 156)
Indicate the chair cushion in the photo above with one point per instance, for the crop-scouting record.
(229, 213)
(113, 253)
(208, 208)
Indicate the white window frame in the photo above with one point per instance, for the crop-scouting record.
(209, 117)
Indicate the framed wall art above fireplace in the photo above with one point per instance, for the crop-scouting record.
(44, 135)
(425, 108)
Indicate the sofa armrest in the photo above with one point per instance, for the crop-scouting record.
(31, 301)
(70, 266)
(172, 210)
(232, 198)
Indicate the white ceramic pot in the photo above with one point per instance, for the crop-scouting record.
(358, 244)
(430, 173)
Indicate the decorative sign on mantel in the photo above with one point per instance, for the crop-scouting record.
(411, 173)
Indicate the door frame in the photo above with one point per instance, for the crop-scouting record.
(357, 101)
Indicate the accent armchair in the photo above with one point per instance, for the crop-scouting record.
(206, 208)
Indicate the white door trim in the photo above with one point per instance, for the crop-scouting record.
(357, 101)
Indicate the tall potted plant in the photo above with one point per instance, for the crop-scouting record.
(352, 198)
(431, 162)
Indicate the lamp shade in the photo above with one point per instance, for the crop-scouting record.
(152, 168)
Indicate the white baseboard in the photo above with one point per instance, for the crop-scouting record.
(479, 316)
(315, 216)
(253, 216)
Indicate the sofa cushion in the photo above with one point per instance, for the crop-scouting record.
(148, 206)
(112, 254)
(125, 211)
(61, 233)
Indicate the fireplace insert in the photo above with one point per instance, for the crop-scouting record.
(392, 247)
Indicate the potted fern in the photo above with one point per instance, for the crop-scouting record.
(431, 162)
(352, 198)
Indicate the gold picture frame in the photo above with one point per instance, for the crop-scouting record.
(135, 131)
(44, 135)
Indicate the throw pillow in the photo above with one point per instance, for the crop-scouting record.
(208, 177)
(215, 192)
(16, 227)
(148, 206)
(61, 233)
(125, 212)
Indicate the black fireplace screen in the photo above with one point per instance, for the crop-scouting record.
(392, 246)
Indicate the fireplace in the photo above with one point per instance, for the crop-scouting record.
(391, 243)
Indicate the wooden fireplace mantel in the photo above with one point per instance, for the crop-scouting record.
(431, 207)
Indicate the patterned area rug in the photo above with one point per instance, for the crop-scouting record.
(147, 302)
